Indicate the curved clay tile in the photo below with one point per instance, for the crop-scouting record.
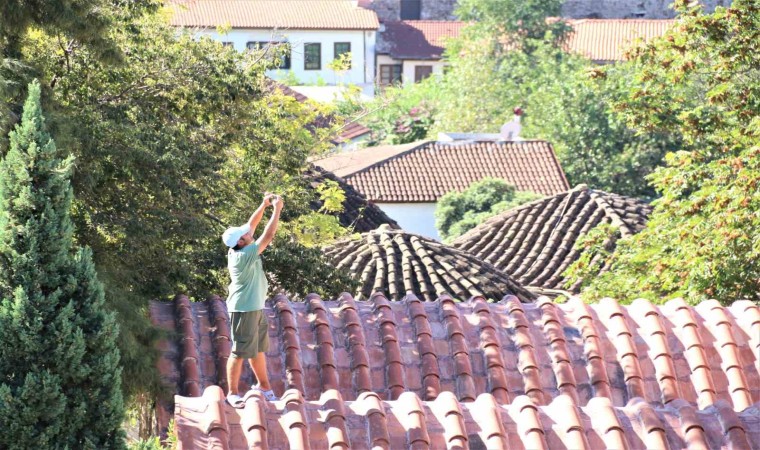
(534, 243)
(446, 422)
(395, 262)
(606, 352)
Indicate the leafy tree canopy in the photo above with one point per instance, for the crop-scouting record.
(458, 212)
(701, 80)
(173, 145)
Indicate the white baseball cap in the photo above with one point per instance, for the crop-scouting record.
(231, 235)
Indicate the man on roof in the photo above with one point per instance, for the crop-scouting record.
(245, 303)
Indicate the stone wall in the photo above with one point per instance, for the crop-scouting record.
(389, 10)
(627, 9)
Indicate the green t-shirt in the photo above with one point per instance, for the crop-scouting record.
(248, 288)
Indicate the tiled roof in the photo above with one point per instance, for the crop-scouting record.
(417, 39)
(429, 170)
(332, 422)
(607, 39)
(357, 212)
(395, 262)
(534, 243)
(349, 131)
(281, 14)
(667, 356)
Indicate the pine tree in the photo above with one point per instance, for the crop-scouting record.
(59, 365)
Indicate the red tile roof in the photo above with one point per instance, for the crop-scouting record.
(429, 170)
(535, 242)
(395, 262)
(667, 356)
(417, 39)
(281, 14)
(607, 39)
(333, 422)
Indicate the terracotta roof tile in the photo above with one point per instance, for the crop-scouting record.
(409, 422)
(607, 39)
(535, 242)
(417, 39)
(266, 14)
(426, 172)
(358, 214)
(596, 356)
(396, 262)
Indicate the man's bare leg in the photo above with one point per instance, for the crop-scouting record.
(234, 369)
(259, 367)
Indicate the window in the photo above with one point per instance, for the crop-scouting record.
(312, 56)
(390, 74)
(422, 72)
(280, 50)
(341, 48)
(227, 44)
(410, 9)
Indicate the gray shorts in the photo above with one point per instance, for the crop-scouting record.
(248, 331)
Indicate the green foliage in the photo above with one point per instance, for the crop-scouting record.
(700, 80)
(317, 228)
(147, 444)
(399, 114)
(458, 212)
(563, 105)
(60, 381)
(513, 23)
(595, 248)
(171, 147)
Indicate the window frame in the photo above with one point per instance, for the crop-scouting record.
(336, 55)
(391, 81)
(417, 78)
(306, 59)
(286, 58)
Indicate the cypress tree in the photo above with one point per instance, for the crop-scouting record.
(60, 380)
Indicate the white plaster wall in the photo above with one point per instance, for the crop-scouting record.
(417, 218)
(408, 67)
(410, 64)
(362, 52)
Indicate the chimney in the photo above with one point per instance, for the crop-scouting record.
(510, 131)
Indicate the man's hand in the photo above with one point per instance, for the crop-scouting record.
(268, 197)
(277, 202)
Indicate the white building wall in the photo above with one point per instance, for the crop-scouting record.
(417, 218)
(408, 67)
(362, 52)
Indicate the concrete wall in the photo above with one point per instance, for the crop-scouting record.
(389, 10)
(362, 70)
(417, 218)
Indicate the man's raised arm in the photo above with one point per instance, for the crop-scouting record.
(255, 218)
(271, 227)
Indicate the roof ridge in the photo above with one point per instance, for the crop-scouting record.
(600, 197)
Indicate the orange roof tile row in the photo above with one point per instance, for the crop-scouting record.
(428, 171)
(332, 422)
(267, 14)
(702, 355)
(608, 39)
